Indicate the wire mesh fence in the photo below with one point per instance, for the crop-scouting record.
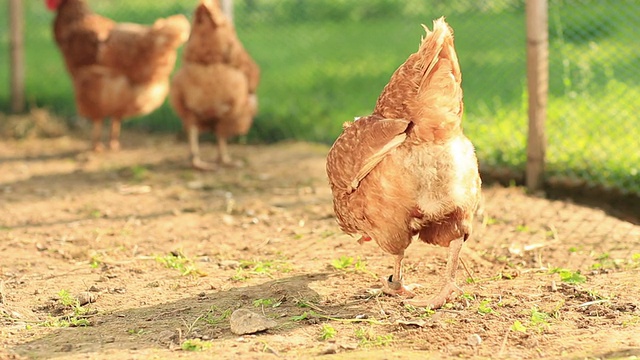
(325, 61)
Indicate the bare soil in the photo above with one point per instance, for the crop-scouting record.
(263, 237)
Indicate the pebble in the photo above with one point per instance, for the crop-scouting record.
(243, 322)
(474, 340)
(86, 297)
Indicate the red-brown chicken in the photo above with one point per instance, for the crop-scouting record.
(118, 70)
(408, 169)
(215, 89)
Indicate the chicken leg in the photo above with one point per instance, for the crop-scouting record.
(96, 136)
(114, 140)
(194, 149)
(449, 286)
(394, 284)
(223, 154)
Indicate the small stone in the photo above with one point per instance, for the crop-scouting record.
(243, 322)
(474, 340)
(229, 264)
(94, 288)
(110, 340)
(86, 297)
(329, 349)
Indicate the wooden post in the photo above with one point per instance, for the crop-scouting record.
(16, 68)
(538, 85)
(227, 9)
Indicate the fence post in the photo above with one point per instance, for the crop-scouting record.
(538, 85)
(16, 67)
(227, 8)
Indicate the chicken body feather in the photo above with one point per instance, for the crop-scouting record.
(215, 89)
(118, 70)
(408, 169)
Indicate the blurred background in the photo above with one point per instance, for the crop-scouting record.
(325, 61)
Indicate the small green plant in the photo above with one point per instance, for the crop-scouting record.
(342, 263)
(136, 331)
(484, 308)
(522, 228)
(270, 302)
(517, 326)
(181, 263)
(67, 299)
(569, 276)
(195, 345)
(215, 316)
(304, 316)
(328, 332)
(139, 173)
(368, 337)
(422, 312)
(539, 319)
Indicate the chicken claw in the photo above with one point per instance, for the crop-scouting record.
(198, 164)
(391, 287)
(437, 301)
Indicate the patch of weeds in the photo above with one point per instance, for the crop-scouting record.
(76, 319)
(349, 264)
(304, 316)
(522, 228)
(137, 173)
(342, 263)
(328, 332)
(326, 234)
(260, 267)
(368, 337)
(181, 263)
(269, 302)
(422, 313)
(569, 276)
(95, 213)
(634, 320)
(635, 261)
(539, 319)
(95, 262)
(484, 308)
(518, 327)
(216, 316)
(196, 345)
(136, 331)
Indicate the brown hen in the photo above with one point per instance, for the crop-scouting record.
(119, 70)
(215, 89)
(408, 169)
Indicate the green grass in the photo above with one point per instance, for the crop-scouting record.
(324, 62)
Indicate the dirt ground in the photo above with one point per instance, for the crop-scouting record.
(166, 253)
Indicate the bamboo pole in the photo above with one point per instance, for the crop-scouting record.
(227, 8)
(16, 44)
(538, 85)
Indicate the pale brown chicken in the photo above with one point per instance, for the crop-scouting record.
(215, 88)
(407, 169)
(119, 70)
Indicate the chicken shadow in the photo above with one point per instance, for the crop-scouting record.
(205, 316)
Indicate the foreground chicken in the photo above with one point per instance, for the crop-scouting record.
(407, 169)
(118, 70)
(215, 89)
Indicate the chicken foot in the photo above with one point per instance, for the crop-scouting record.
(114, 140)
(194, 149)
(394, 284)
(223, 154)
(96, 136)
(449, 288)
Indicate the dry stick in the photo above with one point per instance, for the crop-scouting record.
(467, 270)
(504, 342)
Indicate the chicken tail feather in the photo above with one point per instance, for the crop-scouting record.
(426, 89)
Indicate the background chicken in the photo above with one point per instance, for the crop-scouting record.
(118, 70)
(407, 169)
(215, 89)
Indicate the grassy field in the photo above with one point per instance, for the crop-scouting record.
(327, 62)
